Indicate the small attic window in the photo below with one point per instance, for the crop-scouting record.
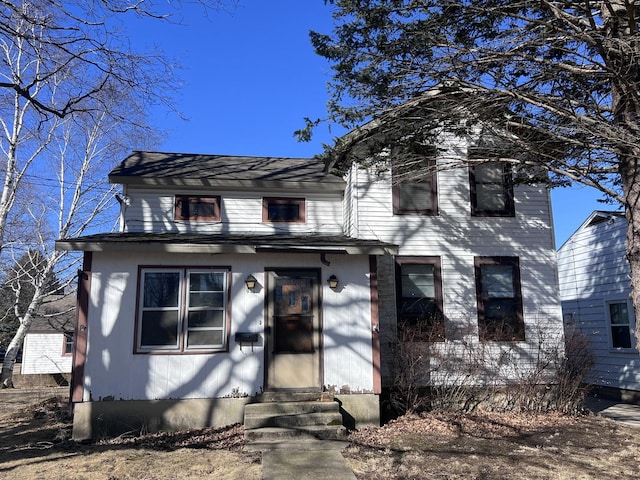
(199, 209)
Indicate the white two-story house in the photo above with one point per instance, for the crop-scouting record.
(233, 276)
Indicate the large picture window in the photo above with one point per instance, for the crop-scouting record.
(620, 324)
(415, 186)
(182, 309)
(491, 185)
(419, 293)
(499, 297)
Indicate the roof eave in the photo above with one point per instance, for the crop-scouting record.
(225, 184)
(212, 248)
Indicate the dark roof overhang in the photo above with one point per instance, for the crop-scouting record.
(225, 243)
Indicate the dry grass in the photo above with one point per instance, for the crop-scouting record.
(35, 444)
(496, 446)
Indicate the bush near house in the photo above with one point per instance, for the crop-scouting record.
(462, 375)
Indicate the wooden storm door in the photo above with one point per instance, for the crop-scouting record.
(293, 330)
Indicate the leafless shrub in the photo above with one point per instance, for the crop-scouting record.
(462, 373)
(570, 388)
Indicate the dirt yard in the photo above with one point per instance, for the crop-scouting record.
(35, 444)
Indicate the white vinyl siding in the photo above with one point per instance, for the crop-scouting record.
(152, 210)
(457, 237)
(594, 273)
(43, 353)
(113, 370)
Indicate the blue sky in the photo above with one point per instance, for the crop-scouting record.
(251, 76)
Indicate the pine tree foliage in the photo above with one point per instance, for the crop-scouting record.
(552, 85)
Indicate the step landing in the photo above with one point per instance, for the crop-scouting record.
(285, 421)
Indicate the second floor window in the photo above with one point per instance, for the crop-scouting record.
(491, 186)
(200, 209)
(415, 187)
(283, 209)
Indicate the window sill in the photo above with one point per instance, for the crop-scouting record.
(623, 351)
(181, 352)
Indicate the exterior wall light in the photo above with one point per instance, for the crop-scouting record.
(333, 281)
(250, 282)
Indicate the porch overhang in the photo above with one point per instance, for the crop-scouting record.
(226, 244)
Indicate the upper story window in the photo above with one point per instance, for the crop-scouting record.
(420, 299)
(415, 186)
(200, 208)
(283, 209)
(491, 186)
(620, 324)
(182, 309)
(499, 297)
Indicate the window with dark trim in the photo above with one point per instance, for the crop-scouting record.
(620, 324)
(282, 209)
(182, 310)
(68, 343)
(419, 299)
(415, 185)
(491, 185)
(199, 209)
(499, 297)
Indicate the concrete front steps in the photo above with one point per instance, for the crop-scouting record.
(291, 417)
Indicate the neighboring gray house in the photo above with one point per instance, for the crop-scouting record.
(234, 276)
(594, 289)
(48, 345)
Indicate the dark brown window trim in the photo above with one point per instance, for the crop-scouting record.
(181, 349)
(65, 342)
(300, 202)
(182, 213)
(517, 332)
(509, 210)
(396, 186)
(438, 334)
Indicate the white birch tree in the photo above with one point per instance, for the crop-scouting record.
(74, 99)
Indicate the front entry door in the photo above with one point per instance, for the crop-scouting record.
(293, 330)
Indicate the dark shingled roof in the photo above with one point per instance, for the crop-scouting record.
(57, 314)
(225, 243)
(157, 168)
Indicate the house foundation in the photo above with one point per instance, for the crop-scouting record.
(93, 420)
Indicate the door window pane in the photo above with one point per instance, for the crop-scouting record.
(293, 314)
